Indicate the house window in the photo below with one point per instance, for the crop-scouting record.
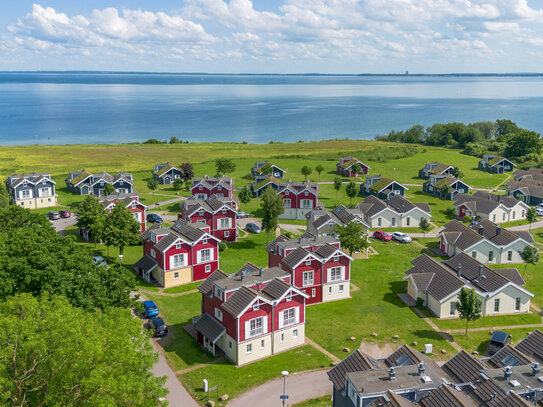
(514, 213)
(226, 234)
(340, 288)
(256, 307)
(218, 314)
(379, 222)
(288, 297)
(497, 305)
(330, 290)
(178, 245)
(452, 308)
(223, 211)
(509, 255)
(308, 262)
(218, 293)
(494, 217)
(249, 349)
(262, 343)
(229, 344)
(176, 275)
(44, 192)
(208, 268)
(307, 203)
(408, 221)
(201, 213)
(224, 223)
(219, 188)
(204, 241)
(286, 203)
(430, 188)
(517, 304)
(286, 193)
(289, 316)
(523, 214)
(474, 254)
(26, 194)
(200, 188)
(255, 327)
(335, 273)
(307, 278)
(282, 338)
(393, 222)
(177, 260)
(490, 256)
(352, 394)
(134, 206)
(294, 334)
(205, 255)
(153, 253)
(313, 292)
(306, 193)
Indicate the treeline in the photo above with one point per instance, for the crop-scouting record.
(502, 137)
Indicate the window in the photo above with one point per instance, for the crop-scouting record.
(286, 203)
(226, 234)
(286, 192)
(218, 314)
(204, 241)
(490, 256)
(282, 338)
(306, 193)
(336, 258)
(262, 343)
(249, 349)
(27, 193)
(218, 293)
(335, 273)
(452, 308)
(393, 223)
(200, 188)
(510, 255)
(330, 290)
(497, 305)
(341, 288)
(514, 213)
(43, 192)
(352, 394)
(256, 307)
(134, 206)
(224, 223)
(204, 255)
(308, 262)
(523, 214)
(294, 334)
(307, 278)
(229, 344)
(289, 316)
(208, 268)
(176, 275)
(474, 254)
(219, 188)
(177, 260)
(517, 304)
(430, 188)
(494, 218)
(255, 327)
(201, 213)
(378, 221)
(313, 292)
(178, 245)
(408, 221)
(223, 211)
(153, 253)
(307, 203)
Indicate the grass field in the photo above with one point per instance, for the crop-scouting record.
(325, 401)
(478, 340)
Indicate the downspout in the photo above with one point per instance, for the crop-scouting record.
(272, 329)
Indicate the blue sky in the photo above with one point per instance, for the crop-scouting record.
(283, 36)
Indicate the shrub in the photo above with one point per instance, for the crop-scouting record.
(223, 246)
(449, 212)
(139, 308)
(420, 303)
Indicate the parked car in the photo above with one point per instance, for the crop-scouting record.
(65, 213)
(401, 237)
(242, 215)
(473, 223)
(499, 340)
(253, 228)
(539, 211)
(53, 215)
(150, 309)
(99, 261)
(384, 236)
(158, 326)
(154, 218)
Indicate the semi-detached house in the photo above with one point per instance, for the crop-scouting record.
(321, 222)
(206, 186)
(85, 183)
(32, 191)
(299, 198)
(397, 212)
(484, 205)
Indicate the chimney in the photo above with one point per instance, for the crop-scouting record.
(480, 230)
(260, 271)
(480, 270)
(499, 198)
(493, 397)
(507, 372)
(535, 369)
(421, 368)
(459, 270)
(392, 374)
(498, 230)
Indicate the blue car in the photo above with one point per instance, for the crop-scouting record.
(150, 309)
(154, 218)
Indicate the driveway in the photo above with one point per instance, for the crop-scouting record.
(291, 228)
(63, 223)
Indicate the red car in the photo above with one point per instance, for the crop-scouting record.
(384, 236)
(65, 213)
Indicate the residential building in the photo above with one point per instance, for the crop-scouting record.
(438, 284)
(381, 187)
(321, 222)
(85, 183)
(299, 198)
(317, 265)
(262, 182)
(495, 164)
(250, 315)
(166, 173)
(265, 168)
(397, 212)
(407, 378)
(206, 186)
(344, 167)
(218, 213)
(32, 191)
(177, 255)
(484, 205)
(445, 186)
(529, 191)
(485, 242)
(532, 174)
(435, 168)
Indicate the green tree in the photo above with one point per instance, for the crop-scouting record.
(187, 170)
(152, 184)
(121, 229)
(266, 169)
(272, 205)
(352, 237)
(188, 184)
(319, 168)
(468, 306)
(224, 165)
(52, 353)
(522, 143)
(445, 190)
(356, 168)
(529, 256)
(424, 225)
(245, 196)
(506, 127)
(351, 190)
(306, 171)
(175, 140)
(90, 215)
(4, 197)
(109, 189)
(457, 173)
(337, 184)
(531, 216)
(178, 184)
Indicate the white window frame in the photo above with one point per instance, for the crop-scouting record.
(205, 258)
(340, 289)
(208, 268)
(452, 308)
(474, 254)
(178, 245)
(218, 293)
(218, 314)
(176, 275)
(308, 262)
(153, 253)
(294, 333)
(379, 222)
(262, 344)
(227, 234)
(287, 203)
(249, 349)
(224, 225)
(336, 258)
(306, 281)
(332, 274)
(306, 204)
(496, 305)
(26, 194)
(510, 255)
(178, 260)
(256, 327)
(288, 317)
(517, 304)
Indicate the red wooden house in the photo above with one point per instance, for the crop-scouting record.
(344, 167)
(299, 198)
(203, 188)
(251, 314)
(317, 265)
(218, 213)
(177, 255)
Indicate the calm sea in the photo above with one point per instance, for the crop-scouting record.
(67, 108)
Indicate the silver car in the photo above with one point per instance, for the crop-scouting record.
(401, 237)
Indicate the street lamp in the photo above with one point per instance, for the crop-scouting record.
(121, 259)
(284, 396)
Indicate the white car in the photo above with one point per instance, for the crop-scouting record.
(401, 237)
(99, 261)
(539, 211)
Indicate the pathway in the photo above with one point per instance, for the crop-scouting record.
(160, 292)
(441, 333)
(322, 350)
(535, 225)
(494, 328)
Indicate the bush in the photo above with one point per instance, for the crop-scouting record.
(420, 303)
(467, 218)
(449, 212)
(223, 246)
(288, 234)
(139, 308)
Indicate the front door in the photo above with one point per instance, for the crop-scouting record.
(167, 180)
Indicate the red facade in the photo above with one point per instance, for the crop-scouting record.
(347, 171)
(204, 214)
(205, 187)
(296, 197)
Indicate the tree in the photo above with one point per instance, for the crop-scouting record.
(531, 216)
(530, 256)
(4, 197)
(306, 171)
(52, 353)
(457, 173)
(121, 228)
(351, 191)
(352, 237)
(337, 184)
(152, 184)
(109, 189)
(224, 165)
(356, 168)
(319, 168)
(424, 225)
(272, 205)
(188, 184)
(468, 306)
(445, 190)
(266, 169)
(522, 143)
(178, 184)
(90, 214)
(175, 140)
(187, 170)
(245, 196)
(506, 127)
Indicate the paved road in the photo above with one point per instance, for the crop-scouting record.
(535, 225)
(300, 387)
(63, 223)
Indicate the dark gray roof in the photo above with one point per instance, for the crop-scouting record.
(390, 399)
(445, 396)
(207, 285)
(306, 240)
(512, 275)
(373, 205)
(532, 173)
(508, 201)
(463, 367)
(533, 189)
(326, 250)
(505, 355)
(239, 300)
(355, 362)
(276, 288)
(166, 241)
(273, 244)
(209, 327)
(295, 256)
(402, 205)
(188, 232)
(249, 275)
(532, 346)
(404, 355)
(422, 280)
(146, 263)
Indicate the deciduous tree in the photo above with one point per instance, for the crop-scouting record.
(187, 170)
(356, 168)
(178, 184)
(424, 225)
(4, 197)
(522, 143)
(152, 184)
(245, 196)
(337, 184)
(319, 168)
(530, 256)
(352, 191)
(121, 228)
(531, 217)
(224, 165)
(108, 189)
(352, 237)
(468, 306)
(90, 215)
(272, 205)
(306, 171)
(457, 173)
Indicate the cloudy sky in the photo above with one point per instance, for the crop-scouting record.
(283, 36)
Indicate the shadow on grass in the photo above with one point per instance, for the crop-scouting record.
(483, 347)
(429, 334)
(395, 287)
(184, 346)
(243, 244)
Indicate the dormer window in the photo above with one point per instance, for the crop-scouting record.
(308, 262)
(336, 258)
(178, 245)
(204, 241)
(306, 193)
(218, 293)
(200, 188)
(201, 213)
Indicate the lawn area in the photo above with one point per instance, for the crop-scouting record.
(236, 380)
(324, 401)
(182, 288)
(534, 282)
(437, 205)
(251, 248)
(478, 340)
(375, 307)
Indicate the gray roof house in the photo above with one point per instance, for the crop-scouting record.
(84, 183)
(32, 191)
(166, 173)
(484, 205)
(382, 187)
(321, 222)
(528, 190)
(435, 168)
(532, 174)
(395, 212)
(496, 164)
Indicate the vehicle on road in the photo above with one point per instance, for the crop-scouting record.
(54, 215)
(253, 228)
(154, 218)
(401, 237)
(499, 340)
(65, 213)
(539, 211)
(158, 326)
(243, 215)
(99, 261)
(384, 236)
(150, 309)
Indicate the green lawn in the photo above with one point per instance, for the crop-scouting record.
(478, 340)
(236, 380)
(324, 401)
(251, 248)
(182, 288)
(534, 282)
(489, 321)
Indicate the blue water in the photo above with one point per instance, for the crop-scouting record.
(68, 108)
